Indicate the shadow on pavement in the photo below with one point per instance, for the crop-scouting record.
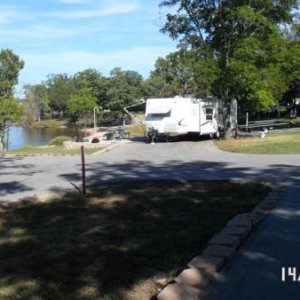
(99, 174)
(12, 187)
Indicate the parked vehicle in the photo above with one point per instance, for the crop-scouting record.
(183, 115)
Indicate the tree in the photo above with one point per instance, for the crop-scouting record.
(94, 81)
(10, 109)
(157, 86)
(35, 103)
(186, 71)
(257, 71)
(10, 66)
(30, 106)
(81, 105)
(125, 88)
(60, 87)
(293, 69)
(226, 29)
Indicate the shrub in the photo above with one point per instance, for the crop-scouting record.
(58, 141)
(49, 124)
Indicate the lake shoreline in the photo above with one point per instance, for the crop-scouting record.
(19, 136)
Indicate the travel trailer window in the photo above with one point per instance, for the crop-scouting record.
(209, 113)
(152, 117)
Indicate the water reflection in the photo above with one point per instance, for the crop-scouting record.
(19, 136)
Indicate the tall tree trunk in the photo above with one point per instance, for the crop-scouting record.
(226, 114)
(3, 138)
(226, 119)
(1, 144)
(226, 95)
(2, 133)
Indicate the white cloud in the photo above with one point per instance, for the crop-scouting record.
(40, 32)
(108, 9)
(36, 32)
(73, 1)
(8, 13)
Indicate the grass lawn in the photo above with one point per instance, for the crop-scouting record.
(52, 123)
(287, 143)
(46, 150)
(136, 130)
(112, 244)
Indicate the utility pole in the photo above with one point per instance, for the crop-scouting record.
(96, 108)
(83, 170)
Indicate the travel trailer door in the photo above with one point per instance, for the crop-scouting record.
(208, 118)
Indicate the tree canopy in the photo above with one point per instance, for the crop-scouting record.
(247, 42)
(10, 66)
(125, 88)
(60, 87)
(81, 105)
(184, 72)
(247, 50)
(10, 109)
(62, 95)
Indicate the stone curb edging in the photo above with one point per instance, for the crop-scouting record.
(104, 148)
(108, 148)
(203, 269)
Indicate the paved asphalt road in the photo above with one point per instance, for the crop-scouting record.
(22, 177)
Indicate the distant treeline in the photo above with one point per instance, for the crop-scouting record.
(63, 96)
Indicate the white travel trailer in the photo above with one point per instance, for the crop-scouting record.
(183, 115)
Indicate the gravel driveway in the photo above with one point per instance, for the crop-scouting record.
(21, 177)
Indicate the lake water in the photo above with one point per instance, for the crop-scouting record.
(19, 136)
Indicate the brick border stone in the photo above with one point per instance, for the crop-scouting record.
(193, 277)
(207, 264)
(178, 291)
(226, 240)
(203, 269)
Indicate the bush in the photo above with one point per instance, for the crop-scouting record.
(49, 124)
(58, 141)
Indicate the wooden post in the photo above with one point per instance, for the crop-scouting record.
(83, 170)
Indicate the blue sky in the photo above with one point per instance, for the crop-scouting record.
(67, 36)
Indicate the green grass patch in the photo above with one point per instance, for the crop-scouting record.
(46, 150)
(136, 130)
(52, 123)
(59, 140)
(111, 244)
(288, 143)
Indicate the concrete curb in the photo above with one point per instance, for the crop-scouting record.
(108, 148)
(205, 268)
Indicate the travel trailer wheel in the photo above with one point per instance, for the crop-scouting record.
(148, 138)
(151, 137)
